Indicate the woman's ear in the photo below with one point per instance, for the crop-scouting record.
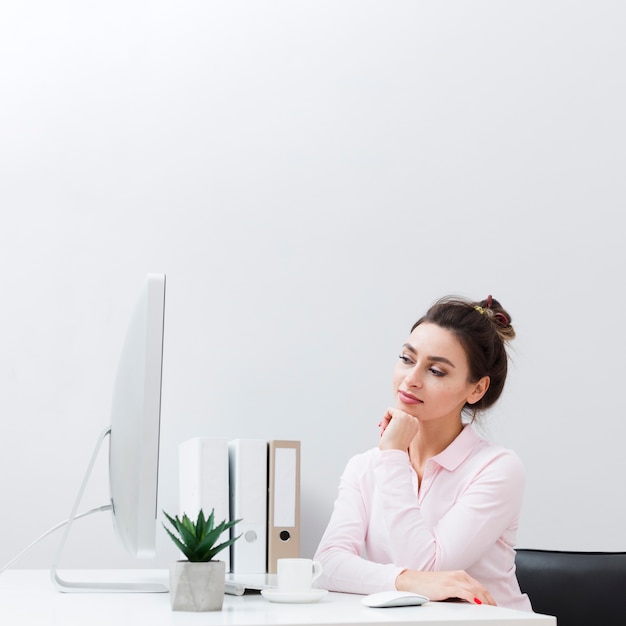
(479, 390)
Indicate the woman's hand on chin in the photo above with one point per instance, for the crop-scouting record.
(438, 586)
(397, 430)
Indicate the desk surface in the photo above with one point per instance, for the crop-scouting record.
(28, 597)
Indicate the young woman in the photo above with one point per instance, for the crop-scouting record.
(434, 508)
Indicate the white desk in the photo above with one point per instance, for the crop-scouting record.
(28, 597)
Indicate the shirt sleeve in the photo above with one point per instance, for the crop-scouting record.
(340, 550)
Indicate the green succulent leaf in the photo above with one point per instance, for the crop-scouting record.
(181, 546)
(187, 533)
(211, 520)
(217, 549)
(201, 525)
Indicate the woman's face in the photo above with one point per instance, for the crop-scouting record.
(431, 379)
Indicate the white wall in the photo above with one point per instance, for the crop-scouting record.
(310, 176)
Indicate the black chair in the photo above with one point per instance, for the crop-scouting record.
(579, 588)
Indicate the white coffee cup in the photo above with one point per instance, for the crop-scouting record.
(297, 575)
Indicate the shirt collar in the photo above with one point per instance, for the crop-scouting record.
(458, 450)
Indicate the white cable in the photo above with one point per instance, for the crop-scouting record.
(100, 509)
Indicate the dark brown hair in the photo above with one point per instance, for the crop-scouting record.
(483, 329)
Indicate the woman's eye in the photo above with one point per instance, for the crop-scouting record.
(436, 372)
(405, 359)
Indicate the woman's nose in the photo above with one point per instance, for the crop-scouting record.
(413, 377)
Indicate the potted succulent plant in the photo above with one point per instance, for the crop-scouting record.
(197, 582)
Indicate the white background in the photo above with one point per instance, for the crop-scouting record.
(310, 176)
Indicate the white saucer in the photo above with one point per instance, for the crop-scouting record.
(294, 597)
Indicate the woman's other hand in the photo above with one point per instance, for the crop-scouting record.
(438, 586)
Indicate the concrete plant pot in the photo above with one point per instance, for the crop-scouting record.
(197, 586)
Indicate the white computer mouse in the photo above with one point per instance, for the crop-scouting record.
(387, 599)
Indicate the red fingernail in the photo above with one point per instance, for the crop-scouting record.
(477, 601)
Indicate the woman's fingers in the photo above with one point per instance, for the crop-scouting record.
(464, 587)
(384, 422)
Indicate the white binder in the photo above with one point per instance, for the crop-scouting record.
(283, 531)
(248, 502)
(203, 482)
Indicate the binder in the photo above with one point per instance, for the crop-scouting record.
(248, 502)
(283, 527)
(203, 482)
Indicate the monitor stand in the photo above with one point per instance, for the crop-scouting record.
(89, 586)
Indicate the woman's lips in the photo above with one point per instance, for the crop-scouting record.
(407, 398)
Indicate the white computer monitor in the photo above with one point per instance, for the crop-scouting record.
(134, 433)
(135, 423)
